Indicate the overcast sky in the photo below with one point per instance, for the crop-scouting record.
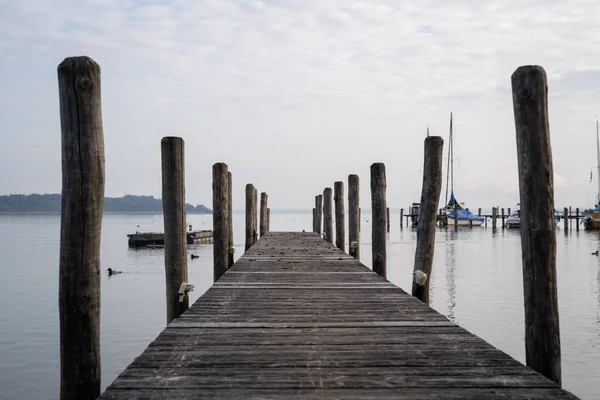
(294, 95)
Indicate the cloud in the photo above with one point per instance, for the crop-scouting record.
(306, 89)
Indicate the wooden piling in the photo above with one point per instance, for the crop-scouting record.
(566, 219)
(430, 197)
(314, 220)
(82, 145)
(508, 214)
(570, 219)
(455, 216)
(387, 219)
(250, 216)
(494, 216)
(340, 220)
(378, 218)
(268, 219)
(230, 249)
(577, 219)
(479, 212)
(354, 216)
(328, 215)
(263, 213)
(220, 220)
(319, 212)
(255, 222)
(538, 234)
(502, 218)
(401, 217)
(174, 216)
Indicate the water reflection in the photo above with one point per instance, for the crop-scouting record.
(450, 267)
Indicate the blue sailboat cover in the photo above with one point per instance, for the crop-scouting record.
(464, 215)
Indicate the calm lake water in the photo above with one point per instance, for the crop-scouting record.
(476, 282)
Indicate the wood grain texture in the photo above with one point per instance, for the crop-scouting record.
(430, 197)
(250, 216)
(263, 213)
(319, 213)
(354, 216)
(379, 220)
(82, 144)
(538, 234)
(328, 215)
(295, 317)
(175, 223)
(220, 220)
(340, 220)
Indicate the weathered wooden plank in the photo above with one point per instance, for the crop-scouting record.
(295, 317)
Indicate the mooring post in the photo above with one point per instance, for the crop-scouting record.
(378, 211)
(570, 219)
(494, 216)
(387, 219)
(502, 218)
(566, 219)
(263, 214)
(508, 213)
(455, 216)
(255, 216)
(230, 249)
(328, 215)
(340, 220)
(314, 220)
(430, 196)
(220, 220)
(538, 235)
(250, 215)
(268, 219)
(479, 212)
(174, 216)
(577, 219)
(319, 212)
(82, 145)
(401, 217)
(354, 216)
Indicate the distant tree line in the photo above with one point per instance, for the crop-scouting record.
(52, 203)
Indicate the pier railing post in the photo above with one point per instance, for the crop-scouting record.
(340, 228)
(354, 216)
(230, 249)
(82, 144)
(538, 235)
(378, 217)
(263, 214)
(173, 200)
(250, 215)
(430, 197)
(328, 215)
(220, 220)
(319, 213)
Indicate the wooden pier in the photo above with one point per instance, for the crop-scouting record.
(295, 317)
(157, 239)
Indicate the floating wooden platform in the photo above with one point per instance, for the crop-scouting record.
(157, 239)
(297, 318)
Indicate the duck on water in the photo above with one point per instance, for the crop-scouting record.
(112, 272)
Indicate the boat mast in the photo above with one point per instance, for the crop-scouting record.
(598, 161)
(451, 159)
(448, 168)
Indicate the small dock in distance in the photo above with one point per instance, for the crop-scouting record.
(157, 239)
(296, 317)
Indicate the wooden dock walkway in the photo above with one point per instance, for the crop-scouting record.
(297, 318)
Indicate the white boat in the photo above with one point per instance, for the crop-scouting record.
(455, 213)
(514, 220)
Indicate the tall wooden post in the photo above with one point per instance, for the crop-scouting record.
(430, 197)
(387, 219)
(479, 212)
(354, 216)
(570, 219)
(577, 219)
(173, 199)
(328, 215)
(230, 249)
(82, 144)
(268, 219)
(255, 222)
(263, 214)
(220, 220)
(250, 215)
(401, 217)
(340, 221)
(494, 216)
(566, 219)
(538, 235)
(319, 212)
(455, 216)
(502, 218)
(378, 210)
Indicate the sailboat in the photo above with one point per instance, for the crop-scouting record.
(455, 213)
(593, 221)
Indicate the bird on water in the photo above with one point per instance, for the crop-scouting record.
(195, 256)
(112, 272)
(596, 253)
